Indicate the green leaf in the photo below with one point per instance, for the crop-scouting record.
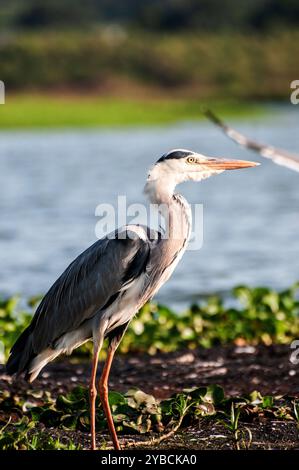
(255, 398)
(212, 394)
(267, 401)
(69, 422)
(116, 399)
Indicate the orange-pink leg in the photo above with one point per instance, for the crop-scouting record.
(92, 398)
(103, 389)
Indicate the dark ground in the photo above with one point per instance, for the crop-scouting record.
(239, 370)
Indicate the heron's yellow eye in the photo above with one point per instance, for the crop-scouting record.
(190, 159)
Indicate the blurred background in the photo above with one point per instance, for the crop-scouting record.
(97, 90)
(194, 48)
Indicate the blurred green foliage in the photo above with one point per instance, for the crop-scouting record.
(40, 111)
(200, 65)
(261, 315)
(196, 48)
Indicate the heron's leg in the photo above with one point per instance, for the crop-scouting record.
(114, 338)
(103, 389)
(92, 396)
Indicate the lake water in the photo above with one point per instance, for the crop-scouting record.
(51, 183)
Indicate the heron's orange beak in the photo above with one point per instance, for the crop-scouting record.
(226, 164)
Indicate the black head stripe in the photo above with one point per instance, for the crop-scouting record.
(175, 154)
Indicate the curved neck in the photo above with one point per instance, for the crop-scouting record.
(159, 191)
(173, 207)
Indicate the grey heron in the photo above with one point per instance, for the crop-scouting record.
(278, 156)
(104, 287)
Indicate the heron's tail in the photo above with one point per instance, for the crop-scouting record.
(24, 357)
(21, 354)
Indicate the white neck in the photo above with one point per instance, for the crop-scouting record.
(159, 191)
(173, 207)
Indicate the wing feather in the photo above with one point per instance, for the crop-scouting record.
(84, 289)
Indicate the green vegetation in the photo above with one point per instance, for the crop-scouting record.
(242, 438)
(46, 111)
(210, 65)
(34, 419)
(262, 316)
(103, 62)
(22, 435)
(134, 412)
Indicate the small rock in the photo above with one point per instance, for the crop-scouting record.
(185, 358)
(245, 349)
(255, 380)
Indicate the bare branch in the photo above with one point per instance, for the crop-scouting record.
(278, 156)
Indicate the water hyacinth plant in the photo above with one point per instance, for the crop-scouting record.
(259, 315)
(34, 416)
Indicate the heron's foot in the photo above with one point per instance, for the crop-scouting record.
(116, 444)
(93, 445)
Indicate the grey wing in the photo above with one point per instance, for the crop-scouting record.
(89, 284)
(279, 156)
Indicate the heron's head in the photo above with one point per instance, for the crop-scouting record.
(181, 165)
(184, 165)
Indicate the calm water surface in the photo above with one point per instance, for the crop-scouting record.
(51, 183)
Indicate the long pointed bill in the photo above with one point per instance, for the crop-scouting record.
(226, 164)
